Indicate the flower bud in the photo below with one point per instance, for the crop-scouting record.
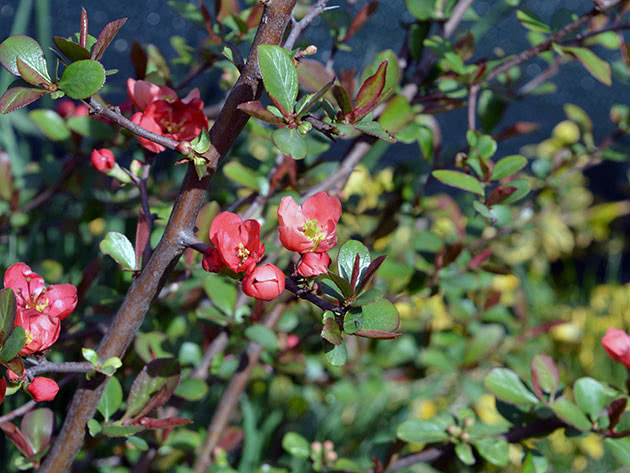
(184, 148)
(103, 160)
(13, 377)
(265, 282)
(617, 345)
(43, 389)
(304, 128)
(65, 108)
(212, 261)
(313, 264)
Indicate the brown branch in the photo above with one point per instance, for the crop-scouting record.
(299, 27)
(456, 16)
(191, 197)
(231, 395)
(473, 91)
(45, 366)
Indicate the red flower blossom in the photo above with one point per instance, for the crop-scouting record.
(311, 227)
(164, 114)
(30, 291)
(103, 160)
(237, 244)
(3, 389)
(313, 264)
(212, 261)
(43, 389)
(617, 345)
(67, 108)
(265, 282)
(42, 330)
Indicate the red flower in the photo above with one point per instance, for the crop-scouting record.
(30, 291)
(265, 282)
(103, 160)
(67, 108)
(313, 264)
(617, 345)
(3, 389)
(180, 120)
(212, 261)
(237, 244)
(43, 389)
(42, 330)
(312, 226)
(143, 93)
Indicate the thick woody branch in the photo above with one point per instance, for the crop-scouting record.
(147, 285)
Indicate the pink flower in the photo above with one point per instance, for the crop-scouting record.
(43, 389)
(103, 160)
(30, 291)
(42, 330)
(311, 227)
(313, 264)
(237, 243)
(617, 345)
(143, 93)
(212, 261)
(265, 282)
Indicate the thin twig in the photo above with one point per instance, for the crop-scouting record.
(456, 17)
(300, 26)
(473, 91)
(45, 366)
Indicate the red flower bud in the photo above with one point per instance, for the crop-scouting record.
(65, 108)
(184, 148)
(41, 330)
(13, 377)
(617, 345)
(212, 261)
(103, 160)
(265, 282)
(313, 264)
(43, 389)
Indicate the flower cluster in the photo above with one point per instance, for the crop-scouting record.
(161, 112)
(310, 230)
(40, 310)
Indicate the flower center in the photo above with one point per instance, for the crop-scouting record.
(313, 232)
(29, 337)
(170, 125)
(242, 253)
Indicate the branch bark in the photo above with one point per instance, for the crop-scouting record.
(147, 285)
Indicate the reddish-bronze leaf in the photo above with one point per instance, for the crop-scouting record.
(356, 269)
(342, 98)
(447, 254)
(378, 334)
(139, 59)
(3, 389)
(167, 423)
(17, 437)
(225, 8)
(360, 19)
(83, 29)
(255, 14)
(370, 93)
(313, 75)
(348, 81)
(615, 410)
(17, 97)
(232, 437)
(370, 272)
(256, 109)
(105, 38)
(478, 260)
(517, 129)
(207, 19)
(500, 194)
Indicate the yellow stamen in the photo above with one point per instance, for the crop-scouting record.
(313, 232)
(242, 253)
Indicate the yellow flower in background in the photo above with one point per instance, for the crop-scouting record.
(486, 410)
(506, 285)
(592, 445)
(423, 409)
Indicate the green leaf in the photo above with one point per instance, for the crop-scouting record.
(82, 79)
(110, 366)
(620, 448)
(530, 21)
(486, 147)
(598, 68)
(377, 320)
(8, 310)
(37, 427)
(522, 189)
(256, 109)
(242, 175)
(121, 430)
(421, 9)
(484, 341)
(416, 430)
(13, 344)
(152, 387)
(51, 124)
(190, 12)
(105, 37)
(507, 166)
(111, 400)
(545, 374)
(138, 443)
(90, 355)
(296, 445)
(373, 128)
(464, 453)
(590, 396)
(192, 389)
(370, 92)
(507, 386)
(90, 128)
(120, 248)
(221, 292)
(201, 142)
(290, 141)
(337, 355)
(17, 97)
(28, 51)
(94, 427)
(262, 335)
(331, 331)
(279, 74)
(493, 449)
(571, 414)
(347, 255)
(459, 180)
(70, 49)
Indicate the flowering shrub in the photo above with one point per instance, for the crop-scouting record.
(328, 268)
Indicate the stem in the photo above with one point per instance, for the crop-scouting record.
(45, 366)
(456, 16)
(191, 197)
(231, 395)
(300, 26)
(473, 91)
